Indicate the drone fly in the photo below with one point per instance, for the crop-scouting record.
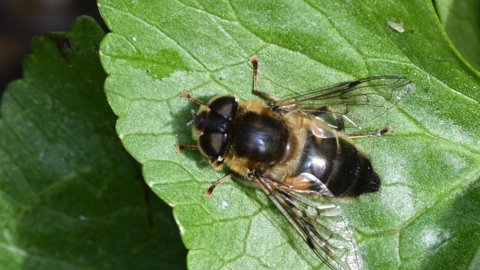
(296, 150)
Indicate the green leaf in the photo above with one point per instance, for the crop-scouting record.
(70, 197)
(461, 20)
(429, 166)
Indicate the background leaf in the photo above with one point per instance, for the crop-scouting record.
(70, 197)
(461, 20)
(429, 166)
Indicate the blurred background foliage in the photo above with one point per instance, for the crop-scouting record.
(461, 20)
(21, 20)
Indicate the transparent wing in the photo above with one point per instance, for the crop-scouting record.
(357, 101)
(318, 219)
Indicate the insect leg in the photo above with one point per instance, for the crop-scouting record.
(382, 132)
(254, 60)
(209, 192)
(179, 148)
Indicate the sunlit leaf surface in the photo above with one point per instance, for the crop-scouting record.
(425, 216)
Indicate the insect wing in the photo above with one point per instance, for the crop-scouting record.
(358, 101)
(317, 217)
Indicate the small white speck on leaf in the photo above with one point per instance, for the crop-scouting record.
(224, 204)
(396, 26)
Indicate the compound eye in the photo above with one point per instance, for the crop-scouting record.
(224, 106)
(213, 144)
(211, 122)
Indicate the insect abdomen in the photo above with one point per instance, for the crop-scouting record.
(339, 165)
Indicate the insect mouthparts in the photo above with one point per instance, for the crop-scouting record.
(195, 116)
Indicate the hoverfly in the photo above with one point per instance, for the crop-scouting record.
(297, 152)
